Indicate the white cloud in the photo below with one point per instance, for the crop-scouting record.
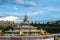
(52, 9)
(28, 13)
(19, 1)
(34, 13)
(25, 3)
(56, 16)
(53, 0)
(16, 16)
(9, 18)
(15, 7)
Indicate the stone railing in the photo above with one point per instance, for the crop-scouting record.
(27, 37)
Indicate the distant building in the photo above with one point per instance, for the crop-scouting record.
(4, 23)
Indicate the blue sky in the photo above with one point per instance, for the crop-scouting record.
(37, 10)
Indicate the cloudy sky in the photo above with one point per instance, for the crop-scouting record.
(37, 10)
